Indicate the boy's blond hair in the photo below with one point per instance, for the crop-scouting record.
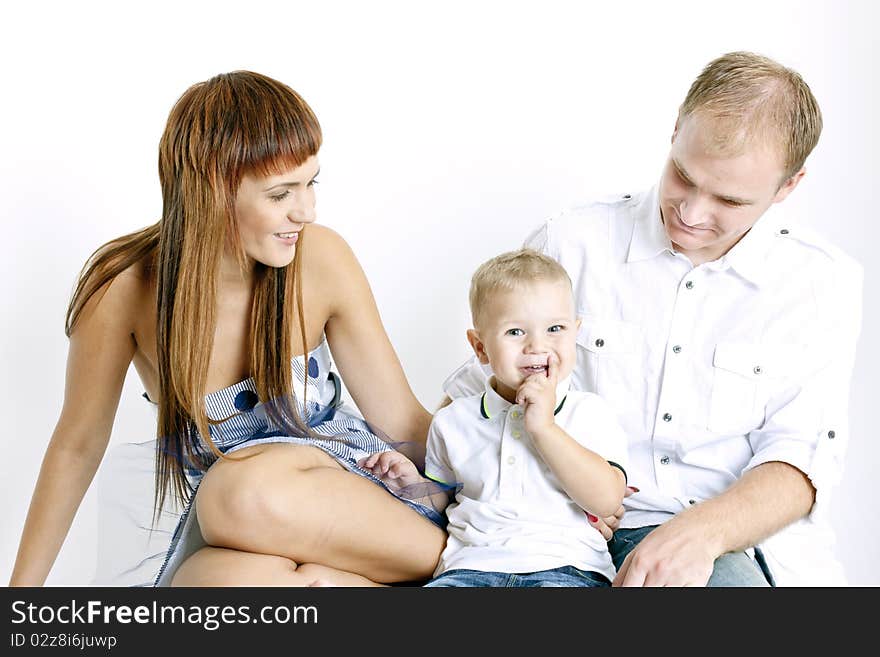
(752, 99)
(508, 271)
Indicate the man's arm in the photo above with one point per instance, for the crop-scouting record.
(682, 551)
(797, 458)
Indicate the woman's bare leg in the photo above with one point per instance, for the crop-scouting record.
(297, 502)
(212, 566)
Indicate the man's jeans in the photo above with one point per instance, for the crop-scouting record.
(732, 569)
(558, 577)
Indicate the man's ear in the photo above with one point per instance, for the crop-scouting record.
(789, 185)
(477, 345)
(674, 132)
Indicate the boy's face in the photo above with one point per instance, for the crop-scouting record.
(520, 328)
(708, 201)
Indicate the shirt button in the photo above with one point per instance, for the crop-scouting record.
(692, 501)
(511, 460)
(784, 231)
(757, 369)
(627, 196)
(676, 349)
(515, 415)
(665, 460)
(667, 417)
(516, 434)
(600, 342)
(689, 285)
(831, 434)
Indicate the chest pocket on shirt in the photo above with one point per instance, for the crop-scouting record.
(744, 378)
(610, 352)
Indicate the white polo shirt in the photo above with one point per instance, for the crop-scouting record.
(714, 369)
(510, 514)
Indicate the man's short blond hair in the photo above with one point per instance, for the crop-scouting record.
(753, 99)
(510, 271)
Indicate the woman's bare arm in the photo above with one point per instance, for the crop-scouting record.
(363, 353)
(101, 348)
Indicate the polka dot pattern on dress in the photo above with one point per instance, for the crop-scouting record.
(313, 367)
(246, 400)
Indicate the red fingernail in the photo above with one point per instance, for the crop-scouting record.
(633, 489)
(592, 517)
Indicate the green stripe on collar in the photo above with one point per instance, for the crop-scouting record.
(559, 408)
(485, 413)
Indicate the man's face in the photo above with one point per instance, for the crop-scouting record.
(710, 199)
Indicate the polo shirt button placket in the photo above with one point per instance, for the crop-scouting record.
(515, 416)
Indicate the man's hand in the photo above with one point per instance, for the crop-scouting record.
(677, 553)
(392, 468)
(537, 396)
(607, 526)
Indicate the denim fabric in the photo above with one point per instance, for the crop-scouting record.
(732, 569)
(557, 577)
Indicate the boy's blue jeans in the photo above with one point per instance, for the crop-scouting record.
(732, 569)
(558, 577)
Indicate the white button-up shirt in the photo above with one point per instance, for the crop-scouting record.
(715, 369)
(510, 512)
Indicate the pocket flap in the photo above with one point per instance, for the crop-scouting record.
(756, 361)
(608, 336)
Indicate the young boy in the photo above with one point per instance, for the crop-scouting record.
(528, 456)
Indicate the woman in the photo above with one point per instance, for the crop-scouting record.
(227, 307)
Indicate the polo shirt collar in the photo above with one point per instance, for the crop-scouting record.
(649, 237)
(492, 404)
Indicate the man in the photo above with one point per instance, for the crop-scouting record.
(724, 339)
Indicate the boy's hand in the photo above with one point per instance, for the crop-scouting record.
(537, 395)
(392, 468)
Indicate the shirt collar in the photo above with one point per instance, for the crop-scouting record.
(748, 257)
(649, 237)
(492, 404)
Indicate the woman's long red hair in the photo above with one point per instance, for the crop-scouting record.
(219, 130)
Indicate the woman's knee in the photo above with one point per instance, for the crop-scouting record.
(212, 566)
(237, 498)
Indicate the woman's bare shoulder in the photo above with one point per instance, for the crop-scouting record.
(322, 241)
(327, 256)
(123, 300)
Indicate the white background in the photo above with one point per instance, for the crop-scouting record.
(451, 130)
